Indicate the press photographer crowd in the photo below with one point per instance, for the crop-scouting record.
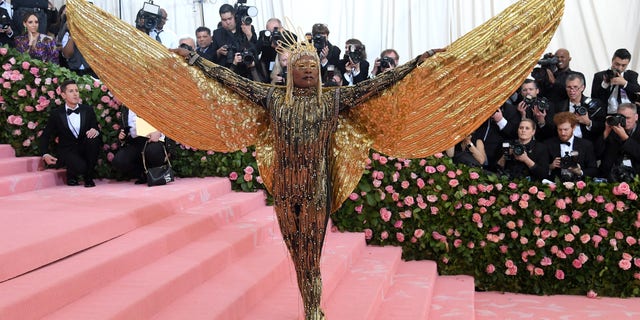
(550, 129)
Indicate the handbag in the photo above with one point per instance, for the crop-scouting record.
(161, 175)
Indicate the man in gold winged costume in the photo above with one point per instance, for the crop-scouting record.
(311, 142)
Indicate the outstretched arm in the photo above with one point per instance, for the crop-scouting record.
(254, 91)
(352, 96)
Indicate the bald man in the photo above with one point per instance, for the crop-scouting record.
(553, 86)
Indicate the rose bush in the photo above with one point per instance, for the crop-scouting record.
(518, 236)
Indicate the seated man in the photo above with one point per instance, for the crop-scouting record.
(621, 143)
(134, 140)
(572, 158)
(76, 127)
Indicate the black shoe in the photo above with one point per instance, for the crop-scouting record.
(72, 182)
(141, 181)
(88, 183)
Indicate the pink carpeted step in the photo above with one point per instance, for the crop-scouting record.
(30, 181)
(49, 224)
(58, 284)
(340, 252)
(513, 306)
(362, 289)
(11, 166)
(410, 295)
(6, 151)
(453, 298)
(141, 293)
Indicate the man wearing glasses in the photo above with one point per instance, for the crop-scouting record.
(589, 112)
(621, 154)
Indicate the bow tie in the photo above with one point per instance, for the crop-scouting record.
(567, 143)
(76, 110)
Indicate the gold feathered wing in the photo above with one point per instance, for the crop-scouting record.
(159, 86)
(449, 95)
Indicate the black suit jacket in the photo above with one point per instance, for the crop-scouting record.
(632, 89)
(586, 155)
(57, 126)
(236, 41)
(597, 112)
(4, 38)
(615, 150)
(209, 54)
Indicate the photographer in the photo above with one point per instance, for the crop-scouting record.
(6, 33)
(167, 37)
(328, 53)
(279, 72)
(235, 45)
(552, 74)
(537, 108)
(388, 60)
(268, 42)
(525, 157)
(73, 59)
(205, 44)
(621, 154)
(572, 158)
(354, 67)
(616, 85)
(469, 151)
(590, 113)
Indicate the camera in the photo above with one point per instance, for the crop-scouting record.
(548, 62)
(185, 46)
(268, 38)
(519, 149)
(247, 55)
(355, 53)
(610, 74)
(5, 22)
(148, 16)
(506, 151)
(386, 63)
(541, 102)
(244, 12)
(581, 110)
(617, 119)
(330, 82)
(567, 162)
(319, 42)
(283, 75)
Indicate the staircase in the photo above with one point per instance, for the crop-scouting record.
(194, 249)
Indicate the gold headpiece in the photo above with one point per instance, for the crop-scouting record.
(295, 44)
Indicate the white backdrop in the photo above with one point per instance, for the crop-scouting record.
(591, 29)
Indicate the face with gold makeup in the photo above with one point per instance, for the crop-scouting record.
(305, 72)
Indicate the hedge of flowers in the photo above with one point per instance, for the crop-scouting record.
(517, 236)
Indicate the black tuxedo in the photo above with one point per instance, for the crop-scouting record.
(597, 112)
(632, 89)
(586, 155)
(615, 150)
(557, 91)
(80, 154)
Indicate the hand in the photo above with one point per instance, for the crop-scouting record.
(583, 119)
(577, 170)
(154, 136)
(92, 133)
(539, 114)
(323, 55)
(180, 51)
(551, 77)
(49, 159)
(6, 30)
(555, 164)
(246, 29)
(522, 108)
(222, 51)
(237, 58)
(620, 131)
(122, 134)
(619, 81)
(429, 53)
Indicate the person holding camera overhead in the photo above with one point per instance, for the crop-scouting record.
(235, 44)
(590, 113)
(525, 157)
(572, 158)
(621, 137)
(165, 36)
(552, 75)
(328, 53)
(537, 108)
(354, 67)
(616, 85)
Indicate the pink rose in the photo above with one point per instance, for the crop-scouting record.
(575, 229)
(368, 234)
(400, 237)
(514, 197)
(358, 208)
(398, 224)
(576, 263)
(110, 156)
(631, 240)
(3, 51)
(248, 169)
(409, 200)
(609, 207)
(569, 237)
(583, 258)
(22, 93)
(441, 168)
(376, 183)
(418, 233)
(430, 169)
(457, 243)
(25, 65)
(248, 177)
(585, 238)
(15, 120)
(420, 183)
(591, 294)
(34, 71)
(533, 190)
(592, 213)
(385, 214)
(560, 204)
(382, 160)
(453, 183)
(568, 250)
(624, 188)
(538, 271)
(474, 175)
(491, 269)
(354, 196)
(580, 185)
(384, 235)
(564, 218)
(546, 261)
(233, 176)
(624, 264)
(632, 196)
(559, 274)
